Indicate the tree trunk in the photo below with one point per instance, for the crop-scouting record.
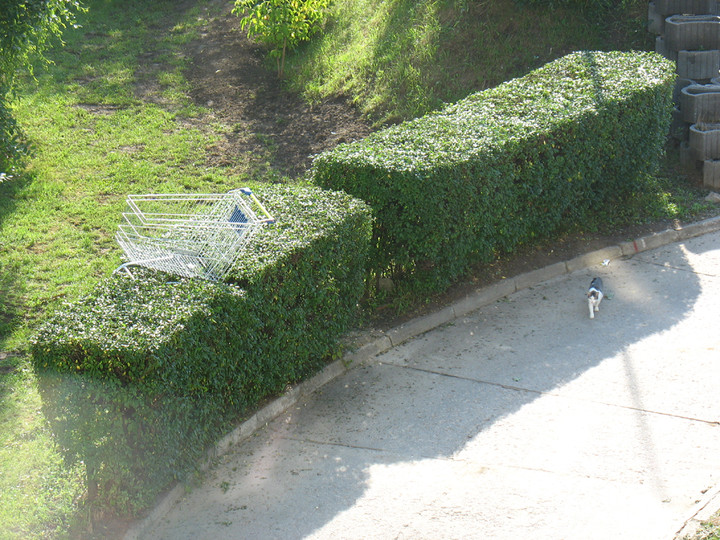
(281, 68)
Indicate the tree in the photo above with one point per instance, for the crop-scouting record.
(281, 24)
(26, 29)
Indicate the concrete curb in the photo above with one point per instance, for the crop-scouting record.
(707, 508)
(375, 345)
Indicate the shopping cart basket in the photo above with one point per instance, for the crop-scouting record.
(189, 235)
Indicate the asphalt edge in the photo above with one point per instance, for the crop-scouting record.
(369, 346)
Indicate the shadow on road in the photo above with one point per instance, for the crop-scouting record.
(433, 397)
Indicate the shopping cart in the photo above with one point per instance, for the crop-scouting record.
(189, 235)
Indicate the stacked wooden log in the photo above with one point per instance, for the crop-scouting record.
(688, 32)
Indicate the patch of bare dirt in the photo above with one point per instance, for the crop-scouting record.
(7, 363)
(229, 76)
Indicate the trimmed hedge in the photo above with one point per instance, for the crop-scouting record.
(506, 165)
(139, 377)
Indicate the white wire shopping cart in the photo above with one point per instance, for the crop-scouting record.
(189, 235)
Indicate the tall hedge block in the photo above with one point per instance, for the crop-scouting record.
(505, 165)
(142, 375)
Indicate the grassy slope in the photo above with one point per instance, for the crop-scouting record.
(96, 140)
(400, 59)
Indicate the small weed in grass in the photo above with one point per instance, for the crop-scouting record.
(709, 530)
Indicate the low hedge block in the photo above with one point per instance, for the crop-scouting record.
(505, 165)
(142, 375)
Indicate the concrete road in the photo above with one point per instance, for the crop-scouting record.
(524, 419)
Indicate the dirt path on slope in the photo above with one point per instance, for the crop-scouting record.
(268, 124)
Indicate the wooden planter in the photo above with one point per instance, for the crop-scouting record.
(700, 103)
(692, 32)
(704, 140)
(698, 64)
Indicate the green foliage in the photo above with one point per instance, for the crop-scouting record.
(12, 146)
(507, 165)
(138, 378)
(281, 24)
(26, 27)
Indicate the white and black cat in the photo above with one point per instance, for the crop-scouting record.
(595, 296)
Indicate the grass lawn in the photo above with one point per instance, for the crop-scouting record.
(112, 116)
(94, 142)
(404, 58)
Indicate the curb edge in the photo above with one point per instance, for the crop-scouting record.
(404, 332)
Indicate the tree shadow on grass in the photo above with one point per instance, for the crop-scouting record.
(11, 273)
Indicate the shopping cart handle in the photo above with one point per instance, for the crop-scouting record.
(247, 191)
